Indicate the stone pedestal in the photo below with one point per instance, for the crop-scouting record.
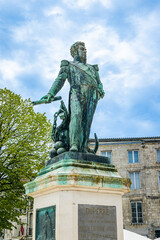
(83, 193)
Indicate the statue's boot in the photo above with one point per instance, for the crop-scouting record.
(74, 148)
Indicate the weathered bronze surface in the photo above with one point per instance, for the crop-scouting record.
(42, 101)
(97, 222)
(85, 91)
(45, 223)
(79, 156)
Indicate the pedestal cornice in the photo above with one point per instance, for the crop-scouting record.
(79, 175)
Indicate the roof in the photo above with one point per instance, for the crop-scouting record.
(128, 235)
(131, 139)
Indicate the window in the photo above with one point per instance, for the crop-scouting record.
(30, 223)
(157, 233)
(159, 181)
(103, 153)
(135, 179)
(158, 155)
(133, 157)
(107, 154)
(136, 211)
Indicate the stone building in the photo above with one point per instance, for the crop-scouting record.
(139, 160)
(24, 230)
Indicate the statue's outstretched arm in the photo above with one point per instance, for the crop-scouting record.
(59, 81)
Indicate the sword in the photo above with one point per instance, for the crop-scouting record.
(45, 101)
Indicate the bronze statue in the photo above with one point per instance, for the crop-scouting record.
(85, 91)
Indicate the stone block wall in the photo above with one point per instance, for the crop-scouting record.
(149, 169)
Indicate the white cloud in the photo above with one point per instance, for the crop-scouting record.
(9, 70)
(25, 32)
(124, 51)
(54, 11)
(46, 44)
(79, 3)
(86, 4)
(136, 60)
(107, 3)
(126, 65)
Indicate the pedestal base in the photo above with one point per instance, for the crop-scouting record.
(87, 197)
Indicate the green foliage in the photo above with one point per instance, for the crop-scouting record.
(24, 146)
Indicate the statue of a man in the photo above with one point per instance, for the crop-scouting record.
(85, 91)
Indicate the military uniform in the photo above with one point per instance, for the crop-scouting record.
(85, 90)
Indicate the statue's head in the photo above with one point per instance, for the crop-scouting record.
(78, 51)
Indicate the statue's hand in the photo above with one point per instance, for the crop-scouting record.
(47, 97)
(100, 91)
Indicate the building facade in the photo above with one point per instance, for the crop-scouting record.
(139, 160)
(134, 158)
(24, 230)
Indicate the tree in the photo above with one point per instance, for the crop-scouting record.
(24, 146)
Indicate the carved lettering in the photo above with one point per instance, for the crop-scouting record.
(96, 222)
(96, 211)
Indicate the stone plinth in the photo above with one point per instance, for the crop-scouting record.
(75, 184)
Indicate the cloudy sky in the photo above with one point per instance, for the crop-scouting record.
(121, 36)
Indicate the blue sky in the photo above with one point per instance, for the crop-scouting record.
(121, 36)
